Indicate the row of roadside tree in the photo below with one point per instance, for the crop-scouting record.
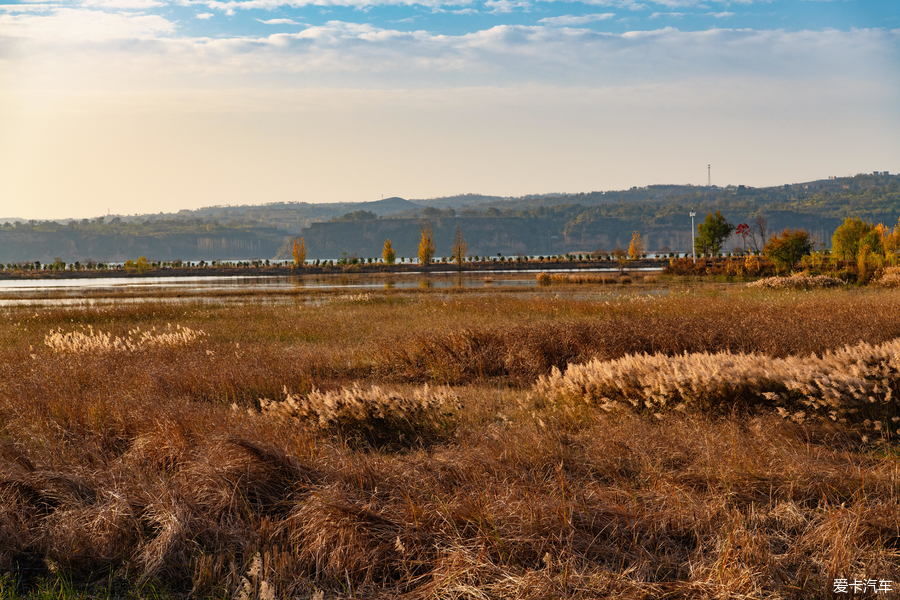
(859, 250)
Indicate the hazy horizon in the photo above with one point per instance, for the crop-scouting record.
(144, 106)
(386, 197)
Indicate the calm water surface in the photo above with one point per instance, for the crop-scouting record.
(107, 290)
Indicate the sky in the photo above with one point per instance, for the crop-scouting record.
(142, 106)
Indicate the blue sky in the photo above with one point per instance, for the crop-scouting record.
(262, 17)
(147, 105)
(612, 16)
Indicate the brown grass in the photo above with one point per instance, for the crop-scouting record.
(890, 277)
(797, 281)
(133, 467)
(776, 326)
(602, 278)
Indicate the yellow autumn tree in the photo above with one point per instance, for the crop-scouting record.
(864, 260)
(636, 247)
(141, 265)
(890, 242)
(426, 246)
(298, 251)
(387, 253)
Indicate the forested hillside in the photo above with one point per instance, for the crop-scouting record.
(537, 224)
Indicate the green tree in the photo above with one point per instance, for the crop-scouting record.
(357, 215)
(787, 248)
(712, 233)
(459, 248)
(851, 235)
(388, 254)
(426, 245)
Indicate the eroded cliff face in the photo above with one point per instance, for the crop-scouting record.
(71, 246)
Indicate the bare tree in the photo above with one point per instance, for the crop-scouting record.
(459, 248)
(762, 228)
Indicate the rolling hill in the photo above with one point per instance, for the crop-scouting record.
(534, 224)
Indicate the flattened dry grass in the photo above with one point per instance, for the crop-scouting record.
(557, 505)
(131, 470)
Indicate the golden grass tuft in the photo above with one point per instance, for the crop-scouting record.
(372, 415)
(797, 281)
(858, 385)
(87, 340)
(890, 277)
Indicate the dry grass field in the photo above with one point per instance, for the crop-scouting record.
(736, 443)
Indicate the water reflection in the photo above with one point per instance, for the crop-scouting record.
(315, 288)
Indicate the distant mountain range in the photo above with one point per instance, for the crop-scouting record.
(535, 224)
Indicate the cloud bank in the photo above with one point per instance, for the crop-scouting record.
(112, 46)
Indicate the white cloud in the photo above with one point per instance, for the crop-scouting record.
(30, 7)
(703, 3)
(496, 6)
(362, 55)
(85, 25)
(278, 22)
(506, 6)
(203, 16)
(455, 11)
(671, 15)
(622, 4)
(677, 3)
(721, 15)
(230, 6)
(566, 20)
(122, 4)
